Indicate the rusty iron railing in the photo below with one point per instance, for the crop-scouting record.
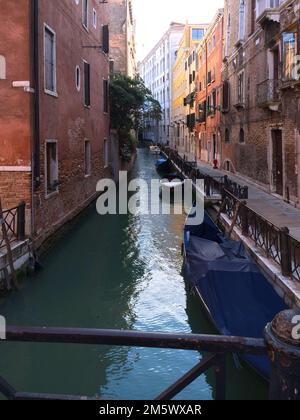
(214, 185)
(216, 349)
(278, 344)
(276, 243)
(14, 220)
(268, 92)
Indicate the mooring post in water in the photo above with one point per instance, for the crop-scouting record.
(283, 340)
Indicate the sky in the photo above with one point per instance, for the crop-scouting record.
(153, 18)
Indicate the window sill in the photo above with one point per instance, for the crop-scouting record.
(50, 93)
(85, 28)
(87, 176)
(87, 106)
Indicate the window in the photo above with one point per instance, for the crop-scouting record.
(227, 135)
(242, 22)
(289, 53)
(2, 68)
(105, 39)
(106, 153)
(94, 18)
(105, 96)
(197, 34)
(87, 158)
(77, 78)
(85, 13)
(241, 89)
(87, 84)
(51, 167)
(225, 96)
(242, 136)
(214, 41)
(253, 16)
(50, 61)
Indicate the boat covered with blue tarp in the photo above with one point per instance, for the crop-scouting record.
(239, 299)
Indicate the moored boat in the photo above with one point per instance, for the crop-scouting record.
(236, 295)
(155, 150)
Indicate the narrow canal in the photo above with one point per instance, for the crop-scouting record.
(120, 272)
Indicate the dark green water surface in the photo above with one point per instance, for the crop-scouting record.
(119, 272)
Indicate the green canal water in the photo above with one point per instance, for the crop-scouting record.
(120, 272)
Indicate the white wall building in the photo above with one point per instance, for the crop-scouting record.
(156, 71)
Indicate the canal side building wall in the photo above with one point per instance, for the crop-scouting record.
(183, 85)
(259, 128)
(15, 105)
(120, 14)
(156, 71)
(209, 92)
(66, 156)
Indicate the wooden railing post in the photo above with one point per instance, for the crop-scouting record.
(21, 221)
(285, 251)
(283, 341)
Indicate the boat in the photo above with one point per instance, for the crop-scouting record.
(166, 169)
(155, 150)
(236, 295)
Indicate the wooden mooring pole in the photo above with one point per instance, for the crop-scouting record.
(8, 248)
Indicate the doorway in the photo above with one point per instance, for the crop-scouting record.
(277, 161)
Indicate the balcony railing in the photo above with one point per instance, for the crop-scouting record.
(267, 6)
(268, 93)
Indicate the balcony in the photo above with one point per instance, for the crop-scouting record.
(268, 10)
(268, 94)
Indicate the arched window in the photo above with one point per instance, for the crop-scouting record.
(227, 135)
(2, 68)
(242, 136)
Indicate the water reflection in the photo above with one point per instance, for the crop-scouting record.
(121, 272)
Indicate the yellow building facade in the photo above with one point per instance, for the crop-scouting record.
(183, 88)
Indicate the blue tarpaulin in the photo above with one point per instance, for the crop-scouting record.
(238, 297)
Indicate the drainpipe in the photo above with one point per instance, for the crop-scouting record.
(35, 149)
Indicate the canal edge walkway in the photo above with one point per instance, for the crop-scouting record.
(280, 213)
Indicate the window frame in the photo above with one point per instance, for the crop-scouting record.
(48, 91)
(49, 193)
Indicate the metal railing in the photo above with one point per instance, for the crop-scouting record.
(213, 184)
(276, 243)
(14, 220)
(278, 344)
(216, 349)
(268, 92)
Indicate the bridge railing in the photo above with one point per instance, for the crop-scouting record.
(215, 348)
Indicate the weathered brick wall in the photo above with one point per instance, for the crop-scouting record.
(15, 107)
(65, 118)
(254, 158)
(116, 11)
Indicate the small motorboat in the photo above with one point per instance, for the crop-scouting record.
(155, 150)
(238, 298)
